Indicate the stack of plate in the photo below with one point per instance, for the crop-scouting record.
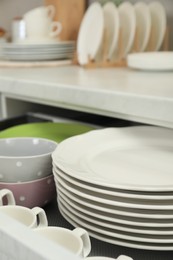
(118, 184)
(37, 51)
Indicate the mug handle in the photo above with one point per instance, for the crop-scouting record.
(41, 216)
(55, 29)
(83, 234)
(51, 11)
(9, 195)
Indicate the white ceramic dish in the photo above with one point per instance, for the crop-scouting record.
(113, 192)
(90, 33)
(143, 25)
(113, 151)
(112, 201)
(145, 243)
(154, 61)
(158, 25)
(127, 27)
(36, 52)
(112, 26)
(112, 226)
(24, 159)
(107, 213)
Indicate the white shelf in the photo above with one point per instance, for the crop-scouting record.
(139, 96)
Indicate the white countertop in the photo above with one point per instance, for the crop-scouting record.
(123, 93)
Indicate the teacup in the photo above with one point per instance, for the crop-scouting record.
(7, 195)
(40, 25)
(31, 218)
(76, 241)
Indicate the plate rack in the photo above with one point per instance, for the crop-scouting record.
(104, 62)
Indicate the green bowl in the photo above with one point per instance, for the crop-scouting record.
(53, 131)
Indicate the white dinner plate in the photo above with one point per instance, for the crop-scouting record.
(114, 201)
(19, 46)
(158, 25)
(112, 27)
(163, 240)
(113, 192)
(113, 240)
(143, 25)
(154, 61)
(90, 33)
(105, 212)
(114, 227)
(127, 27)
(133, 158)
(111, 217)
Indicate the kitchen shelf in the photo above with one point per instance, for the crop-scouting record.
(139, 96)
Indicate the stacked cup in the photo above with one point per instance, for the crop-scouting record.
(40, 26)
(26, 170)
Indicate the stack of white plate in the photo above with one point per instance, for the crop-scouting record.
(37, 51)
(118, 184)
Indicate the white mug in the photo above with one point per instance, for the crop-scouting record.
(76, 241)
(8, 196)
(31, 218)
(40, 25)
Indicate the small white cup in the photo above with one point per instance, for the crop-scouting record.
(40, 25)
(76, 241)
(8, 196)
(31, 218)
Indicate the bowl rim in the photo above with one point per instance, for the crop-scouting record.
(28, 156)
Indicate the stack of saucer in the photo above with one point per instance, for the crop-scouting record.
(117, 183)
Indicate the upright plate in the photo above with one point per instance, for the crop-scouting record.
(143, 25)
(127, 27)
(90, 34)
(112, 26)
(158, 25)
(133, 158)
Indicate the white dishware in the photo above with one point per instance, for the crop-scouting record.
(110, 214)
(90, 34)
(46, 27)
(113, 151)
(121, 257)
(134, 237)
(122, 242)
(76, 241)
(6, 194)
(143, 25)
(154, 61)
(114, 226)
(115, 201)
(32, 218)
(40, 50)
(25, 158)
(127, 28)
(158, 25)
(109, 191)
(112, 26)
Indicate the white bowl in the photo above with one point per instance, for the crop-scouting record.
(25, 158)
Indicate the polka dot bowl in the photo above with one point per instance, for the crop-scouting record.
(33, 193)
(25, 158)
